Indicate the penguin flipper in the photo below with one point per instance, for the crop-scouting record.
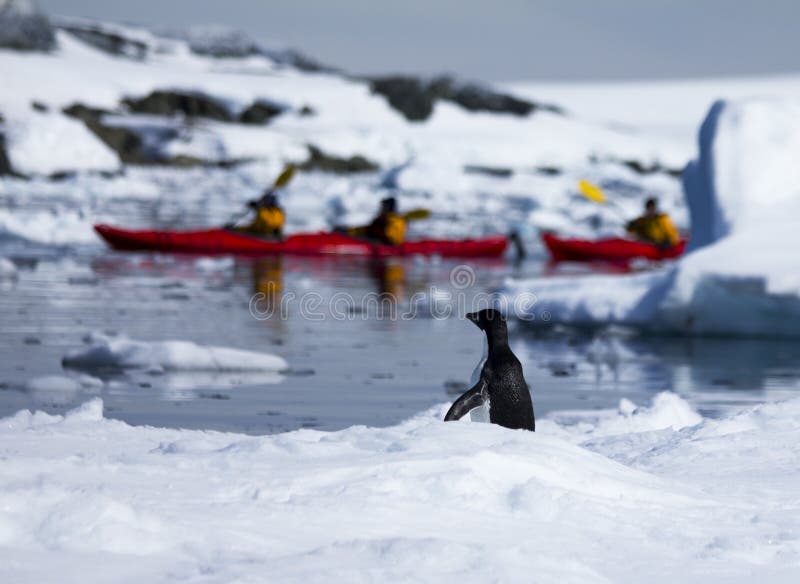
(472, 398)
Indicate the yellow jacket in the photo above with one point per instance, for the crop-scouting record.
(395, 229)
(268, 221)
(389, 228)
(656, 229)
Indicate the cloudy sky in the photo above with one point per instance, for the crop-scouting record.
(501, 39)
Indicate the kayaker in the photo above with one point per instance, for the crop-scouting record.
(269, 219)
(654, 227)
(388, 227)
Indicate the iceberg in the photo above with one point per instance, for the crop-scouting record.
(740, 275)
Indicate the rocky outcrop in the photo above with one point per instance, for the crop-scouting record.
(188, 103)
(495, 171)
(415, 98)
(409, 95)
(84, 113)
(106, 39)
(140, 143)
(318, 160)
(24, 27)
(261, 112)
(193, 104)
(477, 98)
(127, 143)
(656, 167)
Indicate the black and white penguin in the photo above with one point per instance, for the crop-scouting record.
(501, 385)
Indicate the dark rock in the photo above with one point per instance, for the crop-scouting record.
(656, 167)
(85, 113)
(39, 106)
(5, 163)
(318, 160)
(548, 170)
(190, 104)
(476, 98)
(415, 98)
(24, 28)
(261, 112)
(306, 110)
(127, 143)
(62, 175)
(145, 144)
(408, 95)
(106, 39)
(497, 171)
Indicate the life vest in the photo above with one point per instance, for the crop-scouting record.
(395, 230)
(268, 221)
(389, 228)
(657, 229)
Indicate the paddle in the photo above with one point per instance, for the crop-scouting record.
(417, 214)
(595, 194)
(412, 215)
(282, 180)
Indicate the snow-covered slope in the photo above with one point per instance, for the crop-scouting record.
(652, 494)
(743, 193)
(493, 171)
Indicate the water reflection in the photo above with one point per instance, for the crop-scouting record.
(712, 373)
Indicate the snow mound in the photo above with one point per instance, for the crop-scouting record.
(743, 194)
(466, 502)
(120, 352)
(55, 227)
(36, 145)
(666, 411)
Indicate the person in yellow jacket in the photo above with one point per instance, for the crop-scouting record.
(654, 227)
(269, 219)
(388, 227)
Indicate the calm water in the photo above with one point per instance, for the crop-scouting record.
(355, 368)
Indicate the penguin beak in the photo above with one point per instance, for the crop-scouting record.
(473, 316)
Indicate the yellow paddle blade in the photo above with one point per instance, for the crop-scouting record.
(591, 191)
(284, 177)
(417, 214)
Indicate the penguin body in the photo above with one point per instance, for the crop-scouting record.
(501, 384)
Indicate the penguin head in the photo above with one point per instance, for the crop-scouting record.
(487, 319)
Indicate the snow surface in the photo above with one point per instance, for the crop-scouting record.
(46, 143)
(644, 494)
(120, 352)
(743, 196)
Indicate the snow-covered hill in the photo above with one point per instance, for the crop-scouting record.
(114, 110)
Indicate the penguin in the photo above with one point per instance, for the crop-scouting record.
(501, 384)
(480, 413)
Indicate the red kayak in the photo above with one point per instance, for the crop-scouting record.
(222, 241)
(607, 250)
